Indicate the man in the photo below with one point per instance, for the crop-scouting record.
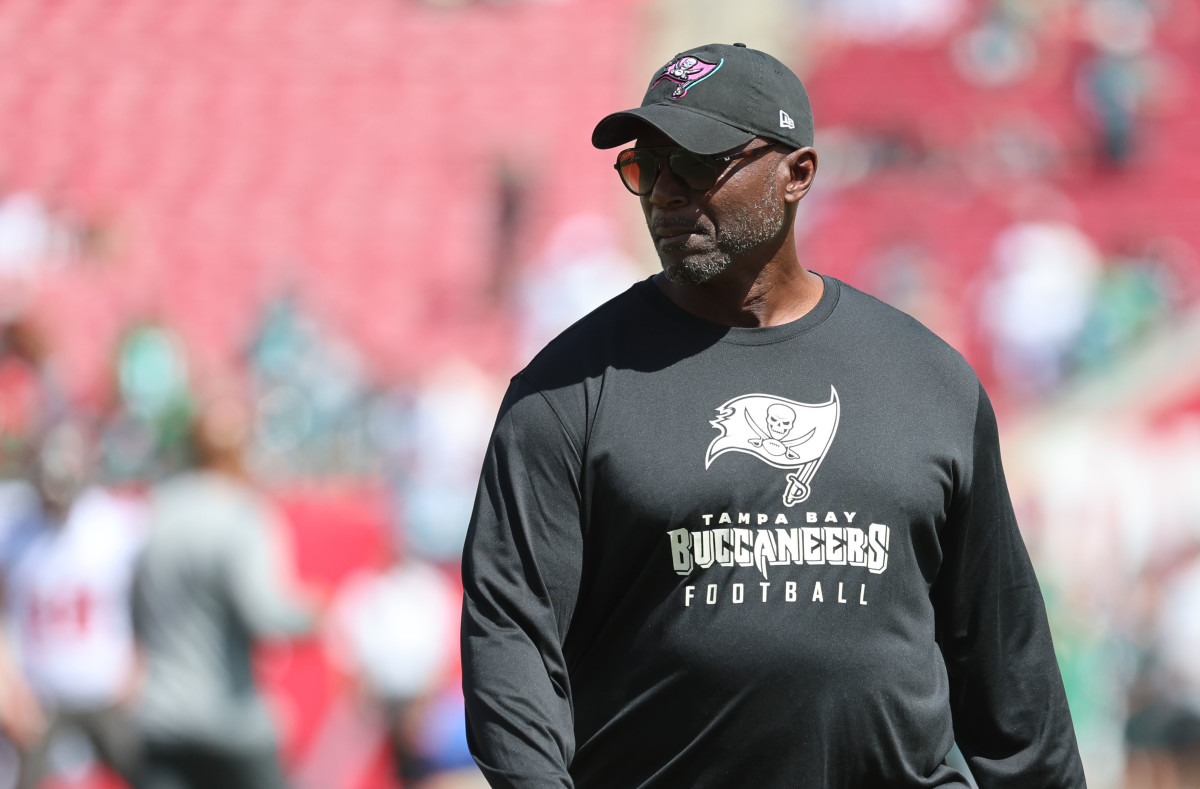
(67, 552)
(211, 584)
(745, 526)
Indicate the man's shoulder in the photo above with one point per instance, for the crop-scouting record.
(898, 335)
(556, 387)
(587, 347)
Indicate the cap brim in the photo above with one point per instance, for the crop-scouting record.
(694, 131)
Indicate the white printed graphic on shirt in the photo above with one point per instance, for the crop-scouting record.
(783, 433)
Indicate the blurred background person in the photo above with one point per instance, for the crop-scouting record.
(212, 582)
(69, 547)
(394, 634)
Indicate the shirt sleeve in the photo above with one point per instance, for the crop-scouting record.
(521, 572)
(260, 584)
(1009, 707)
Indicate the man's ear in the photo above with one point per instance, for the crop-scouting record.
(802, 169)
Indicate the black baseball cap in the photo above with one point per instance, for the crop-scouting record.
(715, 98)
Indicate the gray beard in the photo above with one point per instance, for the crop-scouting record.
(743, 230)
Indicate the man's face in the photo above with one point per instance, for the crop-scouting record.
(62, 466)
(699, 234)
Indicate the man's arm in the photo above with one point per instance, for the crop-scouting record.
(262, 587)
(21, 715)
(1010, 710)
(521, 571)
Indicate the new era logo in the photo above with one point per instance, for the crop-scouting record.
(785, 121)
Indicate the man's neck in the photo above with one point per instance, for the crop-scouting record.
(748, 295)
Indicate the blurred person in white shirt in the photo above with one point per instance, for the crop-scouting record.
(68, 553)
(394, 633)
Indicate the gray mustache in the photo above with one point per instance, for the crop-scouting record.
(687, 227)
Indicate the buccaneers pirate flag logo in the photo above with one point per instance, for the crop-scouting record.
(780, 432)
(687, 72)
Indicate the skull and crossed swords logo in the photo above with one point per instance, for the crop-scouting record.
(783, 433)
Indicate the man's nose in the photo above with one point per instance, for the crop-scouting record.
(668, 189)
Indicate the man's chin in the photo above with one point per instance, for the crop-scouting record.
(693, 272)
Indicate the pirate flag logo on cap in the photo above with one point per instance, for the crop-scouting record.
(687, 71)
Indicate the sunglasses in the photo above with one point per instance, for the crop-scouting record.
(639, 168)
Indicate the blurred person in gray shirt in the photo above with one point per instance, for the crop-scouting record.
(212, 582)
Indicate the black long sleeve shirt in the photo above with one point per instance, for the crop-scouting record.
(718, 557)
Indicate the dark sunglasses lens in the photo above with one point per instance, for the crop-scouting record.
(637, 170)
(698, 172)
